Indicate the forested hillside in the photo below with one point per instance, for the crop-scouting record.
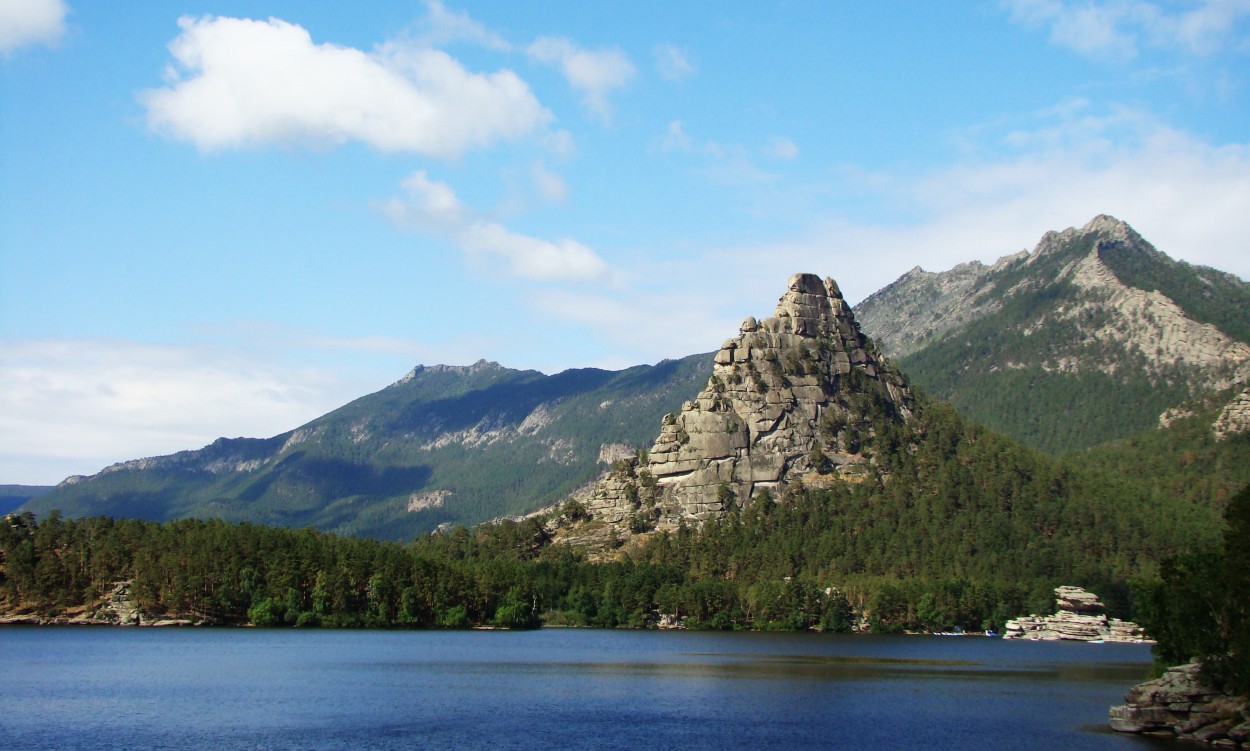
(969, 529)
(443, 445)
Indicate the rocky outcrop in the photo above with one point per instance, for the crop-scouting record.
(793, 395)
(1080, 617)
(1148, 323)
(1181, 705)
(922, 305)
(116, 608)
(1234, 418)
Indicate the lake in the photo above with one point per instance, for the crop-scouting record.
(107, 688)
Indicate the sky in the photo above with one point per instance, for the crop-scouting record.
(224, 218)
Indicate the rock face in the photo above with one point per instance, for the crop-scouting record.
(1181, 705)
(921, 305)
(1235, 418)
(1081, 617)
(792, 395)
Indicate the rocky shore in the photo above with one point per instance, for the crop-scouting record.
(1081, 616)
(1180, 705)
(116, 609)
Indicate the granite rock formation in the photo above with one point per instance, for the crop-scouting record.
(1081, 616)
(1180, 704)
(1234, 418)
(792, 396)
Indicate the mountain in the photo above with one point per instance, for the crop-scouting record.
(807, 454)
(1088, 338)
(1094, 336)
(443, 444)
(805, 481)
(795, 394)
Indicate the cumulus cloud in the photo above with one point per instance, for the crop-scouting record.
(1118, 29)
(593, 73)
(28, 22)
(432, 205)
(672, 63)
(239, 82)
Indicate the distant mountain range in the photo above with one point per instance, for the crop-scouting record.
(13, 496)
(444, 444)
(1088, 339)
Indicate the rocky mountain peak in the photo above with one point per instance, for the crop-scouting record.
(794, 396)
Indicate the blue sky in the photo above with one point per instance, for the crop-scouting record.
(227, 218)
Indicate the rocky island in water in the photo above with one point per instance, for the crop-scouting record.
(1081, 617)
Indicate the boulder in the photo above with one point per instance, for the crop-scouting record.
(1080, 617)
(1181, 705)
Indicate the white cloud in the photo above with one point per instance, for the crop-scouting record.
(77, 406)
(441, 27)
(672, 63)
(781, 148)
(1184, 194)
(432, 205)
(27, 22)
(547, 184)
(240, 82)
(593, 73)
(531, 257)
(675, 138)
(84, 404)
(1117, 29)
(1055, 169)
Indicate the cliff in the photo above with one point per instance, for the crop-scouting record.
(792, 398)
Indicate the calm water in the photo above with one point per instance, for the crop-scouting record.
(105, 689)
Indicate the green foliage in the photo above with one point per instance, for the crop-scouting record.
(954, 527)
(1200, 606)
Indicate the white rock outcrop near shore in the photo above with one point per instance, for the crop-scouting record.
(1081, 616)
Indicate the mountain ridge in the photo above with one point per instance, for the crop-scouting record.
(1053, 347)
(1037, 346)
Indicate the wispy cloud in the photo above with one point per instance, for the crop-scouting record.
(675, 138)
(1118, 29)
(433, 206)
(781, 148)
(29, 22)
(239, 82)
(441, 26)
(99, 401)
(672, 63)
(593, 73)
(547, 184)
